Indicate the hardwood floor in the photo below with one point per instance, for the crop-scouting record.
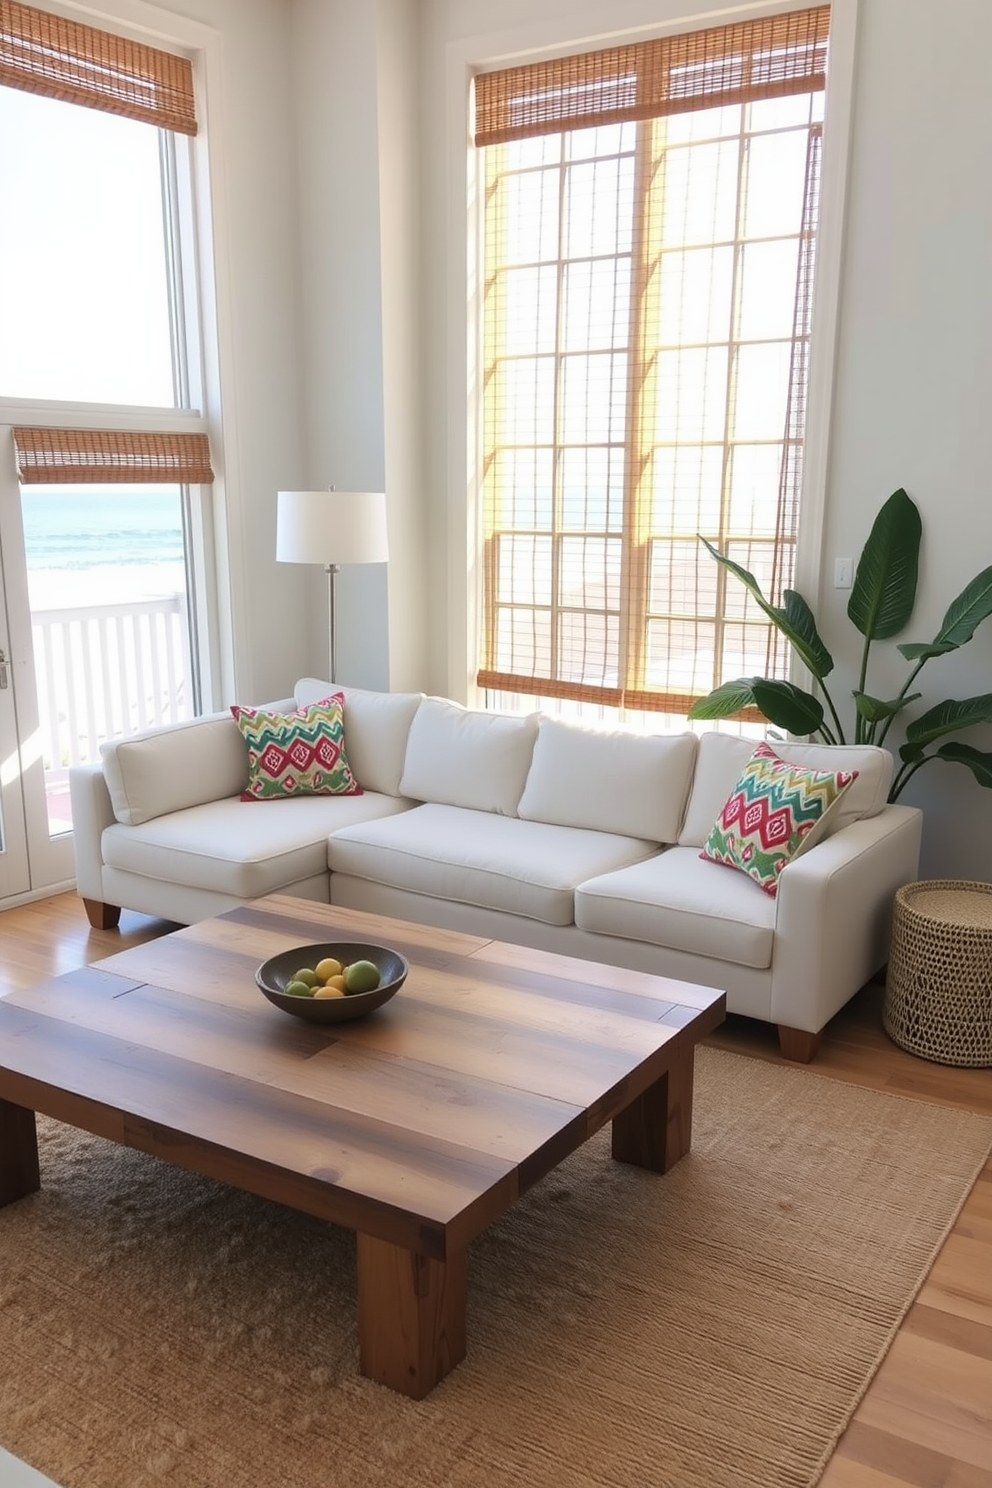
(926, 1419)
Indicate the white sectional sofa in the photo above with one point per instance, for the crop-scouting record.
(527, 829)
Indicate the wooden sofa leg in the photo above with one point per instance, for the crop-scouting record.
(102, 916)
(798, 1045)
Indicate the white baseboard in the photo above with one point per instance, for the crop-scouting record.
(31, 897)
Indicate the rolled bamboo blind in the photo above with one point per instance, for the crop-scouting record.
(110, 457)
(59, 58)
(766, 58)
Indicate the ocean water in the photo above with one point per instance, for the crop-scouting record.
(75, 527)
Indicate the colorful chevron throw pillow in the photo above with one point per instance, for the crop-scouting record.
(774, 812)
(296, 754)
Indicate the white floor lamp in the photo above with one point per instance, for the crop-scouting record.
(331, 527)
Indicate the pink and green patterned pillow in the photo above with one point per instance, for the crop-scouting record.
(296, 754)
(774, 812)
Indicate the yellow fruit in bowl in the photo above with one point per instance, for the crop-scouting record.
(361, 976)
(336, 982)
(327, 968)
(329, 991)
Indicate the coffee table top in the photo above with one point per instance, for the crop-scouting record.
(418, 1124)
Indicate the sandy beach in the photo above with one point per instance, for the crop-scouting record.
(108, 584)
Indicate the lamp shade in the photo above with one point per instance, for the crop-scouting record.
(331, 527)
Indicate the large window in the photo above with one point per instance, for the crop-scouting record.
(100, 365)
(650, 227)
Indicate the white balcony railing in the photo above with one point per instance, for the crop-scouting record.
(103, 671)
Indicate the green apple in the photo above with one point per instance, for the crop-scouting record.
(361, 976)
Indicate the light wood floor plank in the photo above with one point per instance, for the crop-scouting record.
(871, 1458)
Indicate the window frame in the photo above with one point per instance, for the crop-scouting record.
(463, 454)
(202, 334)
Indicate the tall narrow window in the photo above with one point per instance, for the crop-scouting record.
(98, 310)
(89, 123)
(650, 227)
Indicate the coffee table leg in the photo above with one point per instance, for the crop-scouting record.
(655, 1130)
(19, 1171)
(411, 1316)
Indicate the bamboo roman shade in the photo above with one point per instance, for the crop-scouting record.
(110, 457)
(59, 58)
(767, 58)
(650, 226)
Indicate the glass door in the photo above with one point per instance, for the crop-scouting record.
(101, 636)
(110, 631)
(26, 860)
(15, 873)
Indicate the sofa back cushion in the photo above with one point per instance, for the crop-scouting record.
(167, 769)
(609, 780)
(458, 756)
(722, 757)
(376, 730)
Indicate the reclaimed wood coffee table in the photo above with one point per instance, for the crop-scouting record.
(416, 1126)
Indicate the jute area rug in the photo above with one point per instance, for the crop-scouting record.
(710, 1329)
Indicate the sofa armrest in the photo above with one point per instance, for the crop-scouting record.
(834, 915)
(91, 813)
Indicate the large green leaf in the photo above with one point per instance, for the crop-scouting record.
(979, 761)
(795, 621)
(873, 709)
(924, 650)
(884, 589)
(964, 615)
(945, 718)
(799, 618)
(786, 706)
(724, 701)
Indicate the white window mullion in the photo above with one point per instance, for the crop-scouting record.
(557, 404)
(733, 352)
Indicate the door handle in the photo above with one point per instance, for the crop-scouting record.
(3, 671)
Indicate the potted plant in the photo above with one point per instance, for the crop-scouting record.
(880, 606)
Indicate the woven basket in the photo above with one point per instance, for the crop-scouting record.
(938, 992)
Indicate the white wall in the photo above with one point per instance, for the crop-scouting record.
(337, 141)
(243, 66)
(357, 106)
(914, 370)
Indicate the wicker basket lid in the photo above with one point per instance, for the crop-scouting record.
(963, 903)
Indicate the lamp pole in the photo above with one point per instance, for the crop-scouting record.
(331, 569)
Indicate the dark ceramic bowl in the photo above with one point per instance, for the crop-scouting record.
(273, 975)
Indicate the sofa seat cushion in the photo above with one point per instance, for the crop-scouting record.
(239, 847)
(481, 858)
(680, 901)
